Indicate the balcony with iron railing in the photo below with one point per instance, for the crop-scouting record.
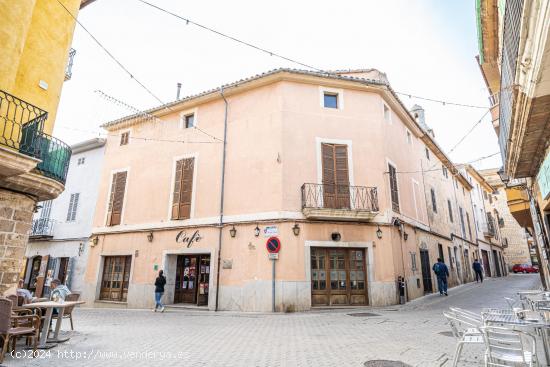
(42, 228)
(339, 202)
(69, 69)
(488, 227)
(22, 131)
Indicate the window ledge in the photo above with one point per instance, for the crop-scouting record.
(111, 302)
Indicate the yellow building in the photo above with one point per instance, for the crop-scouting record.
(36, 36)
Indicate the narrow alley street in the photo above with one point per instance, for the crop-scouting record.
(415, 334)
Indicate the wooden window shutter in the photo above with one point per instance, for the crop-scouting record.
(394, 191)
(183, 189)
(336, 190)
(116, 200)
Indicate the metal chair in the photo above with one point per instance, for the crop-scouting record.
(508, 347)
(464, 330)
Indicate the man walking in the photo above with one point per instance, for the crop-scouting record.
(478, 270)
(442, 272)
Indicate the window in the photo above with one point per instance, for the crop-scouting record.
(46, 210)
(409, 137)
(124, 138)
(80, 161)
(469, 227)
(451, 262)
(462, 225)
(189, 120)
(183, 189)
(485, 194)
(427, 153)
(115, 279)
(393, 188)
(73, 205)
(330, 100)
(490, 199)
(440, 249)
(456, 182)
(463, 192)
(450, 210)
(387, 114)
(445, 173)
(434, 203)
(413, 261)
(116, 199)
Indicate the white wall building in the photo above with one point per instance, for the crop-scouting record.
(58, 243)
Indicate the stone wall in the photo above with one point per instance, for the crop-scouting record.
(15, 222)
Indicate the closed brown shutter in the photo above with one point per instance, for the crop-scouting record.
(116, 200)
(393, 188)
(335, 176)
(183, 189)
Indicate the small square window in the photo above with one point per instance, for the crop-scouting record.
(387, 114)
(427, 153)
(331, 100)
(124, 138)
(190, 121)
(81, 161)
(409, 137)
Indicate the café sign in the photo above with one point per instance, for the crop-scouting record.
(186, 239)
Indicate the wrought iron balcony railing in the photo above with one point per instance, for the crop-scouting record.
(327, 196)
(489, 227)
(494, 99)
(42, 227)
(69, 69)
(22, 129)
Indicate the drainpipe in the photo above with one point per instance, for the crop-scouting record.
(222, 192)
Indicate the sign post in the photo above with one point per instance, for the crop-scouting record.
(273, 246)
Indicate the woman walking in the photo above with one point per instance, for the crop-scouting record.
(159, 290)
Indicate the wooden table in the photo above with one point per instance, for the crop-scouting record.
(49, 306)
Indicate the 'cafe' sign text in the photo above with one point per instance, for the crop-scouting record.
(182, 237)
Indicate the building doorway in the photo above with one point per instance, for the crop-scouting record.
(486, 265)
(35, 271)
(426, 271)
(192, 279)
(338, 277)
(497, 263)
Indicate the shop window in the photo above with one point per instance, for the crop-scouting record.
(115, 279)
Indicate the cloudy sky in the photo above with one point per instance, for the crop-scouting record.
(426, 47)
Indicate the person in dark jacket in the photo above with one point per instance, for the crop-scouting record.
(442, 272)
(478, 270)
(159, 291)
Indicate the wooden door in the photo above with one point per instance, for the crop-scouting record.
(186, 279)
(336, 190)
(116, 278)
(426, 271)
(486, 265)
(35, 271)
(63, 267)
(338, 277)
(41, 277)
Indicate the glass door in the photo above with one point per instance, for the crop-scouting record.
(186, 276)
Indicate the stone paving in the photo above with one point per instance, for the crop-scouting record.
(411, 334)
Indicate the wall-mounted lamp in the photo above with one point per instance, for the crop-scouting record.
(95, 241)
(80, 248)
(296, 229)
(379, 233)
(150, 237)
(405, 236)
(233, 232)
(256, 231)
(136, 253)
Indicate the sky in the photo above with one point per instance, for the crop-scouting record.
(426, 47)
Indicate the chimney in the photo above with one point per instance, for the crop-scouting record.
(178, 93)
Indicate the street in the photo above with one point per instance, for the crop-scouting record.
(415, 334)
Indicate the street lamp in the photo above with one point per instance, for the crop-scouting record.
(233, 232)
(503, 176)
(150, 236)
(256, 231)
(379, 233)
(296, 229)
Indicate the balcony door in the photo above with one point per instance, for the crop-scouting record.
(336, 190)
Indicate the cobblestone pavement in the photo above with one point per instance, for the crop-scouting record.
(108, 337)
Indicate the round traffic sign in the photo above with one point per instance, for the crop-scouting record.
(273, 245)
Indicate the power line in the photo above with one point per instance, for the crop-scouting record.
(439, 169)
(469, 131)
(292, 60)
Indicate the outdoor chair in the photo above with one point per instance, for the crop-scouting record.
(470, 314)
(505, 346)
(464, 330)
(511, 302)
(68, 313)
(12, 326)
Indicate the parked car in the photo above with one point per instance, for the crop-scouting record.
(525, 268)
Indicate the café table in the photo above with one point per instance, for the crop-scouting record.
(532, 320)
(44, 342)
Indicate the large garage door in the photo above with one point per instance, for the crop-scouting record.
(338, 277)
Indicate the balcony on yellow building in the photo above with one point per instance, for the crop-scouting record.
(342, 202)
(518, 203)
(22, 137)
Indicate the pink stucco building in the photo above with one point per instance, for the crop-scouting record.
(333, 165)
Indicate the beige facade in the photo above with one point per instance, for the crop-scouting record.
(334, 166)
